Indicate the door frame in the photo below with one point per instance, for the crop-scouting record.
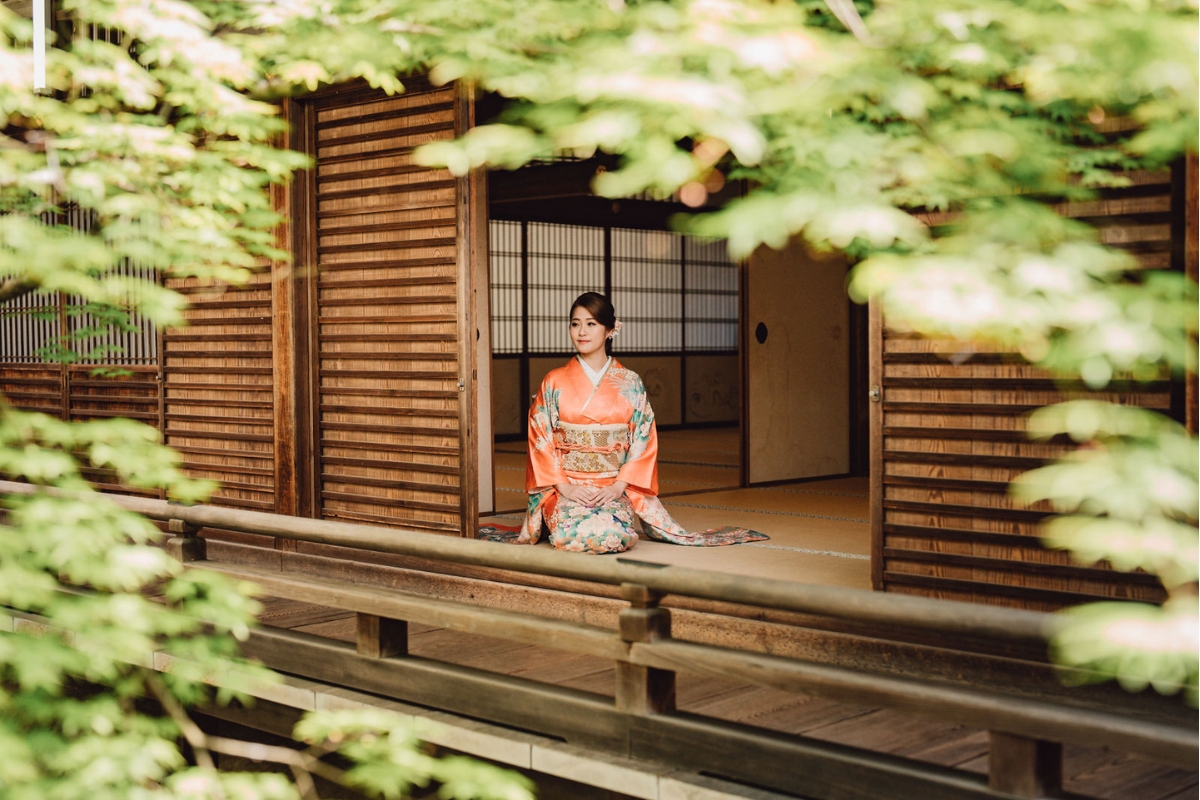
(875, 418)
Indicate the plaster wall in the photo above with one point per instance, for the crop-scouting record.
(799, 414)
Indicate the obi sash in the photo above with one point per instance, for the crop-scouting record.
(591, 448)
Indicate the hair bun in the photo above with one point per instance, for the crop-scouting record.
(598, 306)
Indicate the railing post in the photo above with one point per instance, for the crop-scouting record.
(1024, 767)
(380, 637)
(184, 545)
(644, 690)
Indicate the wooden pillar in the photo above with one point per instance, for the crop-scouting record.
(470, 192)
(64, 332)
(291, 318)
(160, 378)
(875, 437)
(1024, 767)
(283, 350)
(380, 637)
(644, 690)
(1190, 249)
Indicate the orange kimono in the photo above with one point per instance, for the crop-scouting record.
(598, 435)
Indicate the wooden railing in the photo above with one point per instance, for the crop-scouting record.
(1026, 732)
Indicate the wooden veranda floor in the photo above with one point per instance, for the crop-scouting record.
(1089, 771)
(820, 530)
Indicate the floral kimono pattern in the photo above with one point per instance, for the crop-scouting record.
(585, 435)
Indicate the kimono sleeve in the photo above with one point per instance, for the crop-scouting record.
(640, 469)
(542, 467)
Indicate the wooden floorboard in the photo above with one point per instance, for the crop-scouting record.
(1113, 776)
(906, 735)
(295, 614)
(344, 630)
(1093, 772)
(1189, 793)
(576, 671)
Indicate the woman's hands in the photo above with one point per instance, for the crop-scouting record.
(592, 495)
(608, 494)
(578, 494)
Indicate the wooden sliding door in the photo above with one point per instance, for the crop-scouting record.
(949, 435)
(797, 347)
(386, 310)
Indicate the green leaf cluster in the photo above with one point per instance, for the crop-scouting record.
(164, 140)
(944, 154)
(983, 114)
(1129, 497)
(387, 761)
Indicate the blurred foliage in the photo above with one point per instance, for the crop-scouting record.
(985, 112)
(1131, 496)
(386, 760)
(993, 117)
(167, 146)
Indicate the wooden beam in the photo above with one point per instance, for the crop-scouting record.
(900, 612)
(742, 753)
(391, 604)
(945, 701)
(543, 182)
(583, 717)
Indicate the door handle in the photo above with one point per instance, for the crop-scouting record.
(875, 394)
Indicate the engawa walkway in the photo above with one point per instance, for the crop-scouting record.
(1088, 771)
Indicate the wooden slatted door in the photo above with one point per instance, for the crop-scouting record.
(949, 436)
(217, 400)
(391, 358)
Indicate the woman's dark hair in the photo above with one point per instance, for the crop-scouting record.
(601, 310)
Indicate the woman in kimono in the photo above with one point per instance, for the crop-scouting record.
(592, 464)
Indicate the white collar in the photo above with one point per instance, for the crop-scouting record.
(594, 375)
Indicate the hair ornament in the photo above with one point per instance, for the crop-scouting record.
(617, 325)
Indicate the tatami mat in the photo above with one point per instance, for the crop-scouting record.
(819, 532)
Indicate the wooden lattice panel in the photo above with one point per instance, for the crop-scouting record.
(218, 391)
(75, 393)
(953, 437)
(387, 371)
(33, 387)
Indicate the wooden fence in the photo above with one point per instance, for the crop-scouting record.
(1026, 731)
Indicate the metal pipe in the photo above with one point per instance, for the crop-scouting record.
(900, 611)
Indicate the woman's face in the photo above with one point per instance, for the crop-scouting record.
(587, 334)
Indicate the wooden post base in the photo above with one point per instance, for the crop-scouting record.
(643, 690)
(379, 637)
(1024, 767)
(184, 545)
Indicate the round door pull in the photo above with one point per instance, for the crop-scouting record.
(760, 333)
